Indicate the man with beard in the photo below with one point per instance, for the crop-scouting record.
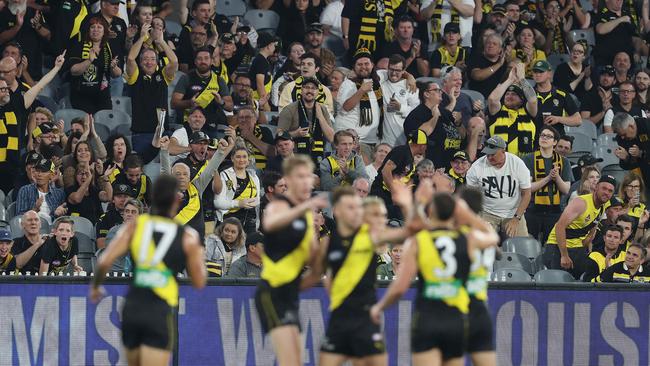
(398, 102)
(24, 25)
(148, 86)
(642, 81)
(406, 46)
(198, 39)
(362, 99)
(61, 249)
(258, 139)
(310, 64)
(122, 193)
(28, 248)
(307, 121)
(133, 176)
(191, 211)
(314, 44)
(197, 155)
(196, 32)
(599, 98)
(42, 196)
(203, 88)
(179, 143)
(274, 184)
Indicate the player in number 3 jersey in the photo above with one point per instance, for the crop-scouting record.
(160, 248)
(441, 256)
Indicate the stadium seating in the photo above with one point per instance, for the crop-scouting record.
(10, 212)
(586, 128)
(86, 262)
(103, 132)
(581, 143)
(514, 260)
(67, 115)
(231, 8)
(474, 95)
(86, 244)
(83, 226)
(152, 170)
(9, 198)
(124, 129)
(510, 275)
(263, 20)
(607, 154)
(526, 246)
(557, 59)
(173, 27)
(48, 102)
(607, 139)
(553, 276)
(111, 118)
(17, 229)
(122, 104)
(538, 262)
(583, 34)
(2, 212)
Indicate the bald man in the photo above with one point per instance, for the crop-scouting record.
(9, 73)
(27, 248)
(191, 208)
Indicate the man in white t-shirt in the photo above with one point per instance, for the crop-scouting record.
(398, 102)
(179, 144)
(331, 18)
(462, 10)
(505, 182)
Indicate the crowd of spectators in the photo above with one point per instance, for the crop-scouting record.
(538, 104)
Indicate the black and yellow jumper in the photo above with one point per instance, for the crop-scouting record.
(516, 127)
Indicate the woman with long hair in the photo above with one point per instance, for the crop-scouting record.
(82, 154)
(93, 66)
(632, 192)
(588, 182)
(575, 76)
(85, 197)
(296, 19)
(240, 196)
(526, 52)
(224, 247)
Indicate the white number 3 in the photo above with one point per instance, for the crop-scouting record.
(446, 249)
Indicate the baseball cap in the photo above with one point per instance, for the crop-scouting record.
(315, 27)
(5, 234)
(615, 201)
(542, 65)
(588, 159)
(199, 137)
(227, 38)
(283, 136)
(264, 39)
(460, 155)
(608, 69)
(606, 178)
(120, 188)
(417, 137)
(32, 158)
(493, 144)
(361, 53)
(244, 28)
(451, 27)
(46, 127)
(254, 238)
(44, 165)
(499, 9)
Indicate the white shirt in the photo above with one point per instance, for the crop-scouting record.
(394, 121)
(371, 171)
(465, 23)
(352, 118)
(609, 116)
(501, 187)
(183, 140)
(331, 16)
(45, 209)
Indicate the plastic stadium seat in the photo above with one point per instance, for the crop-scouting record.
(123, 129)
(510, 275)
(558, 58)
(10, 212)
(583, 34)
(231, 8)
(85, 261)
(83, 226)
(2, 212)
(86, 244)
(553, 276)
(17, 229)
(514, 260)
(122, 104)
(103, 132)
(48, 102)
(2, 197)
(263, 20)
(152, 170)
(173, 27)
(607, 154)
(586, 128)
(607, 139)
(474, 95)
(111, 118)
(67, 115)
(581, 143)
(539, 262)
(526, 246)
(9, 198)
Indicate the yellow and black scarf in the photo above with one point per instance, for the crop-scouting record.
(549, 195)
(312, 144)
(558, 46)
(436, 20)
(365, 108)
(297, 91)
(373, 12)
(106, 54)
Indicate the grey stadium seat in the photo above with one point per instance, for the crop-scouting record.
(510, 275)
(581, 143)
(122, 104)
(607, 139)
(67, 115)
(86, 244)
(474, 95)
(152, 170)
(263, 20)
(553, 276)
(514, 260)
(583, 34)
(586, 128)
(556, 59)
(103, 132)
(231, 8)
(607, 154)
(111, 118)
(173, 27)
(526, 246)
(83, 226)
(10, 211)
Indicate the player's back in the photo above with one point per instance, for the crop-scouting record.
(158, 256)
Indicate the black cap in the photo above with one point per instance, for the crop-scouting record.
(46, 127)
(264, 39)
(44, 165)
(588, 159)
(227, 38)
(53, 150)
(417, 137)
(606, 178)
(609, 70)
(120, 188)
(615, 201)
(315, 27)
(243, 28)
(32, 158)
(283, 136)
(460, 155)
(451, 27)
(198, 137)
(361, 53)
(517, 90)
(499, 9)
(254, 238)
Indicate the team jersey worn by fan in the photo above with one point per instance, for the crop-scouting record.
(579, 228)
(157, 252)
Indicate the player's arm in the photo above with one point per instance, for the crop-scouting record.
(397, 288)
(119, 246)
(572, 211)
(317, 264)
(279, 215)
(194, 258)
(482, 234)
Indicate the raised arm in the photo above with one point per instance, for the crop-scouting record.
(32, 93)
(131, 64)
(206, 176)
